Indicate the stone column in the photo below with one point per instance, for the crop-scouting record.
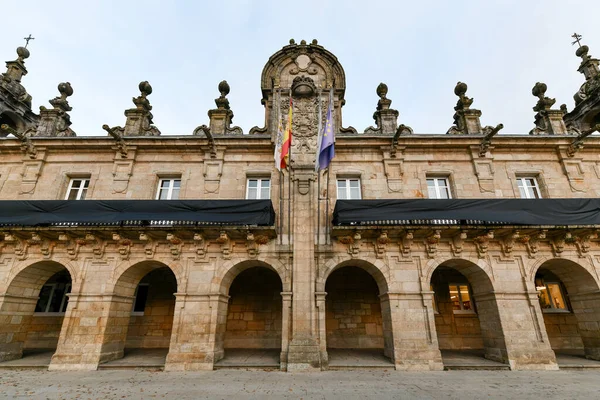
(510, 326)
(322, 327)
(15, 316)
(303, 351)
(586, 307)
(409, 329)
(198, 331)
(93, 331)
(286, 320)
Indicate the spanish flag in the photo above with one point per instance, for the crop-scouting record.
(287, 140)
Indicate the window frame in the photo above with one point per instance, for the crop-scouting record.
(437, 187)
(521, 180)
(63, 300)
(473, 310)
(347, 180)
(553, 309)
(259, 180)
(170, 188)
(85, 186)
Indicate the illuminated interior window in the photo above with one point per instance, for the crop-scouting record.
(460, 297)
(551, 296)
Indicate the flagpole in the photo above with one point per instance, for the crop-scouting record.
(327, 210)
(319, 138)
(290, 178)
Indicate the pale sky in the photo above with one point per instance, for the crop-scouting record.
(420, 49)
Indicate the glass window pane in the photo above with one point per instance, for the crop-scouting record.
(454, 298)
(83, 193)
(341, 193)
(175, 194)
(355, 193)
(520, 183)
(341, 183)
(57, 298)
(466, 299)
(557, 297)
(86, 183)
(430, 183)
(354, 183)
(264, 193)
(176, 183)
(165, 183)
(76, 183)
(252, 193)
(252, 183)
(265, 183)
(163, 194)
(522, 192)
(444, 194)
(72, 194)
(432, 194)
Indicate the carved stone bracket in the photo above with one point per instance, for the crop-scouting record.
(175, 245)
(532, 242)
(226, 245)
(486, 141)
(353, 242)
(150, 245)
(26, 144)
(98, 245)
(204, 130)
(431, 243)
(381, 243)
(482, 243)
(577, 144)
(117, 135)
(201, 246)
(406, 243)
(457, 243)
(508, 242)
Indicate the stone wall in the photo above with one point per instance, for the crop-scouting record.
(153, 329)
(353, 310)
(43, 331)
(563, 331)
(255, 310)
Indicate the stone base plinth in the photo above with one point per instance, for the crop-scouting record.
(303, 355)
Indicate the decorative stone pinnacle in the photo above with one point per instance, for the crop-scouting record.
(23, 53)
(141, 102)
(382, 90)
(544, 103)
(222, 102)
(303, 42)
(464, 102)
(292, 41)
(61, 102)
(386, 119)
(315, 42)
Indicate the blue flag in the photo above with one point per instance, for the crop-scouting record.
(326, 148)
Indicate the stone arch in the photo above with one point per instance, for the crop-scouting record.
(227, 272)
(128, 274)
(376, 268)
(572, 264)
(18, 305)
(476, 268)
(477, 324)
(122, 288)
(574, 328)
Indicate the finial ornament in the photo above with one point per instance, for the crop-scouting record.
(27, 39)
(577, 38)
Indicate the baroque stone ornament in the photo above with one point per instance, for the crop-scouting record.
(548, 121)
(139, 119)
(466, 119)
(386, 119)
(56, 122)
(220, 117)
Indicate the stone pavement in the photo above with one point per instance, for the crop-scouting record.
(347, 385)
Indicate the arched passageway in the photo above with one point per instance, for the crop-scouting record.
(253, 326)
(570, 303)
(467, 321)
(141, 318)
(32, 313)
(356, 319)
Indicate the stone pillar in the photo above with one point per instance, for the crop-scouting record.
(303, 351)
(198, 332)
(93, 331)
(322, 327)
(511, 330)
(410, 331)
(286, 320)
(586, 307)
(15, 316)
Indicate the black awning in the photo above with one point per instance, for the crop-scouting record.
(468, 211)
(136, 212)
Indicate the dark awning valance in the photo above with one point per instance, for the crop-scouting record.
(468, 211)
(136, 212)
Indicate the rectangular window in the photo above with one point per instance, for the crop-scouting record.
(77, 189)
(141, 296)
(438, 188)
(551, 296)
(528, 188)
(460, 297)
(168, 189)
(348, 189)
(53, 298)
(258, 189)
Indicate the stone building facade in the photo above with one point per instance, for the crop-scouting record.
(301, 286)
